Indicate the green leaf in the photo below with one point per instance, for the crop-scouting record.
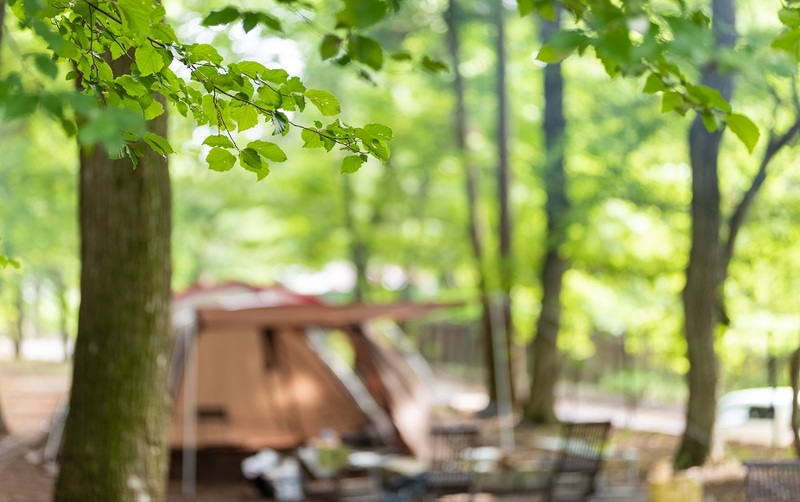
(330, 46)
(218, 140)
(159, 144)
(277, 76)
(154, 110)
(352, 163)
(269, 151)
(222, 16)
(379, 131)
(109, 125)
(280, 123)
(204, 52)
(46, 65)
(788, 41)
(132, 87)
(148, 60)
(365, 50)
(744, 129)
(311, 139)
(270, 97)
(250, 159)
(220, 160)
(401, 56)
(434, 66)
(252, 162)
(711, 121)
(245, 116)
(136, 16)
(653, 84)
(325, 102)
(250, 68)
(671, 100)
(268, 20)
(525, 7)
(789, 17)
(361, 13)
(5, 261)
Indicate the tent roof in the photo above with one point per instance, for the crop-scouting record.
(334, 316)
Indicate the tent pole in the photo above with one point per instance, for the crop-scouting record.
(502, 363)
(189, 480)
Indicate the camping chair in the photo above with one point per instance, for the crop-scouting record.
(773, 481)
(450, 468)
(579, 459)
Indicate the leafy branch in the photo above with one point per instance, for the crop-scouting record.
(234, 96)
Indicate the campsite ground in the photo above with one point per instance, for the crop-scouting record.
(31, 392)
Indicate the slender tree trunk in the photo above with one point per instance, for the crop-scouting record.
(3, 428)
(503, 188)
(63, 312)
(358, 251)
(543, 352)
(794, 376)
(115, 439)
(700, 296)
(475, 227)
(19, 322)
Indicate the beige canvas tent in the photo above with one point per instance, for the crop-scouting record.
(255, 368)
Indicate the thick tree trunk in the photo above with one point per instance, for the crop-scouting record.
(700, 296)
(543, 353)
(115, 440)
(475, 229)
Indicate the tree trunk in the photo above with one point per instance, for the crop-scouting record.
(503, 188)
(19, 323)
(63, 312)
(544, 356)
(358, 251)
(794, 377)
(115, 439)
(475, 228)
(700, 296)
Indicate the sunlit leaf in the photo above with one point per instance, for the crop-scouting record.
(220, 160)
(324, 101)
(269, 151)
(148, 60)
(352, 163)
(744, 129)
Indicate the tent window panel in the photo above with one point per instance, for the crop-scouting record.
(212, 413)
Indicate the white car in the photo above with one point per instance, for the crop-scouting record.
(760, 416)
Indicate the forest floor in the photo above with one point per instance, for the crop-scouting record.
(30, 393)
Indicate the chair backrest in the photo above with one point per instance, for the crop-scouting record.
(449, 443)
(583, 447)
(773, 481)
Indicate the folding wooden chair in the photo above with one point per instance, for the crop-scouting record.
(579, 460)
(450, 469)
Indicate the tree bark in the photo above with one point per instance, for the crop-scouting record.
(543, 352)
(794, 377)
(700, 295)
(358, 251)
(115, 439)
(475, 227)
(19, 322)
(503, 188)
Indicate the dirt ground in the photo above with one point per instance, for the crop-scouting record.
(30, 393)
